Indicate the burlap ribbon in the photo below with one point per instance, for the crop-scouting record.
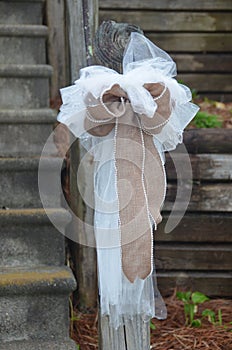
(136, 161)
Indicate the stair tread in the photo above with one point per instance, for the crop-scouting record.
(25, 70)
(28, 30)
(25, 273)
(39, 345)
(28, 116)
(33, 215)
(21, 279)
(29, 163)
(26, 1)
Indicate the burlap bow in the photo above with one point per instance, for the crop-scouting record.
(137, 161)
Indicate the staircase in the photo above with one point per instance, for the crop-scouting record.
(34, 282)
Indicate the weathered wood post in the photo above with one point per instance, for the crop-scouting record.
(56, 48)
(81, 23)
(82, 17)
(109, 44)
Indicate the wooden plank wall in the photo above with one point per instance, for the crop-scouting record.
(197, 34)
(197, 254)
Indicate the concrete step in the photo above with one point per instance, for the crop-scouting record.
(40, 345)
(28, 238)
(34, 303)
(19, 183)
(24, 86)
(25, 12)
(23, 44)
(24, 132)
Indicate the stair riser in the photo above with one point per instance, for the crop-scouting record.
(31, 245)
(28, 92)
(24, 12)
(37, 316)
(40, 345)
(22, 50)
(19, 189)
(30, 139)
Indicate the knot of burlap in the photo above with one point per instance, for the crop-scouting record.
(137, 161)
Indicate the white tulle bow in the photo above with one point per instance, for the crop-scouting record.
(143, 63)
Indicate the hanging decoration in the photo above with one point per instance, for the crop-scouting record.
(127, 121)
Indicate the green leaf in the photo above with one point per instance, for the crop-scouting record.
(194, 94)
(196, 323)
(206, 120)
(183, 296)
(180, 295)
(210, 314)
(189, 313)
(199, 298)
(75, 318)
(220, 317)
(152, 326)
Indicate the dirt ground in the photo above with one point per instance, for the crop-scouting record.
(170, 334)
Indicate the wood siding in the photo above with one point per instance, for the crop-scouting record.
(197, 254)
(198, 35)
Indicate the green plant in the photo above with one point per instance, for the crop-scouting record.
(152, 326)
(220, 317)
(191, 301)
(194, 94)
(206, 120)
(73, 317)
(211, 315)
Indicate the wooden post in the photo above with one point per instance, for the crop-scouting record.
(57, 53)
(110, 41)
(134, 335)
(82, 16)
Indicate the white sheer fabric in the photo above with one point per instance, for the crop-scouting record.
(118, 297)
(143, 63)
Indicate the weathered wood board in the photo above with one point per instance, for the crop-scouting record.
(57, 50)
(187, 63)
(193, 42)
(158, 21)
(197, 227)
(220, 96)
(214, 284)
(208, 141)
(135, 335)
(167, 4)
(205, 197)
(193, 256)
(109, 338)
(197, 34)
(214, 82)
(210, 167)
(84, 257)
